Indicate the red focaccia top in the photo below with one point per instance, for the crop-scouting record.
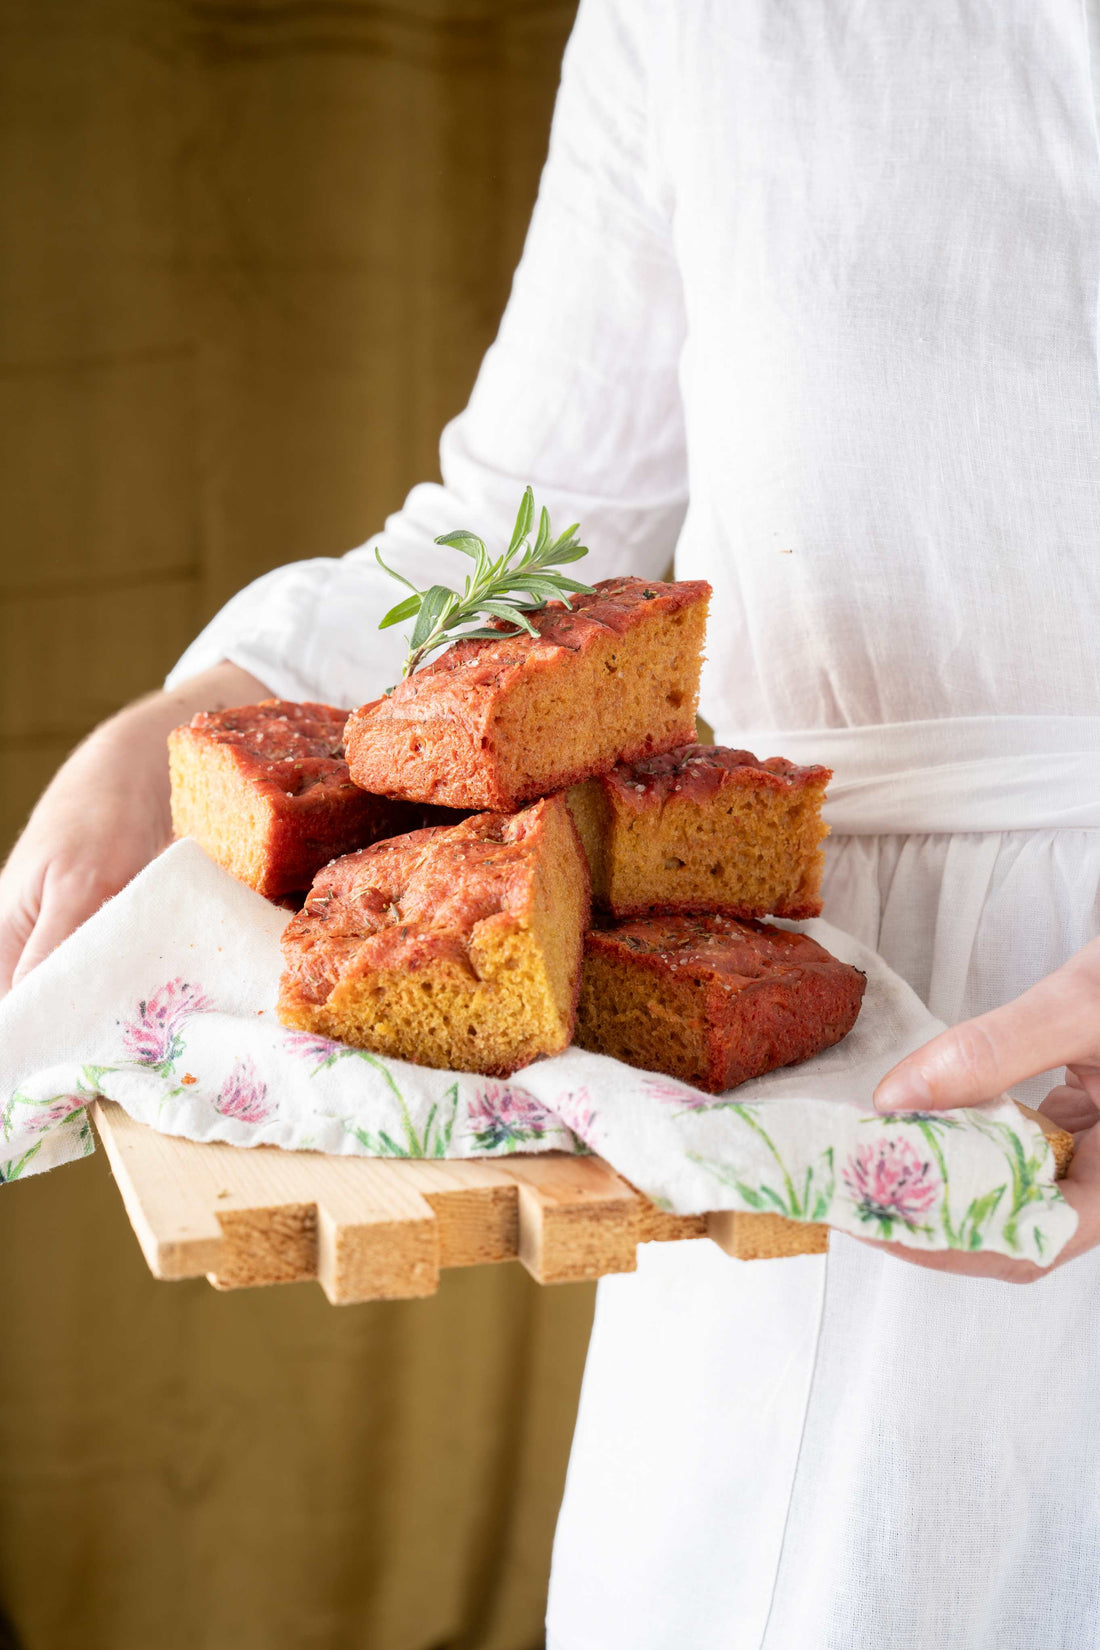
(414, 899)
(699, 772)
(470, 671)
(279, 742)
(727, 951)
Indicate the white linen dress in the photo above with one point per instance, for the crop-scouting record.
(810, 296)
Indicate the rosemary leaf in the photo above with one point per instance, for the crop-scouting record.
(435, 605)
(468, 543)
(507, 588)
(398, 576)
(506, 610)
(404, 610)
(523, 520)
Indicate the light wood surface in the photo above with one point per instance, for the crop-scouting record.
(383, 1228)
(765, 1237)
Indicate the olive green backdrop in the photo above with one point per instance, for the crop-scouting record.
(250, 256)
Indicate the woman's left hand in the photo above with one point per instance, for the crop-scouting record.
(1056, 1023)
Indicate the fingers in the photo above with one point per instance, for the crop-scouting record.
(959, 1263)
(1071, 1107)
(1081, 1190)
(18, 915)
(15, 930)
(102, 818)
(67, 901)
(46, 936)
(1056, 1023)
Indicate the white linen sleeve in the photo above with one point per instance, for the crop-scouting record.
(579, 395)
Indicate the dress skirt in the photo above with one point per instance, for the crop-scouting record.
(819, 1453)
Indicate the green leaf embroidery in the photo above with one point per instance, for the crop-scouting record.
(433, 1141)
(818, 1186)
(979, 1212)
(1025, 1187)
(15, 1166)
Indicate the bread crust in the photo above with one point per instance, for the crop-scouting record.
(493, 724)
(456, 947)
(710, 999)
(705, 828)
(265, 789)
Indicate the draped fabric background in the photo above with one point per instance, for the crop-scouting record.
(250, 256)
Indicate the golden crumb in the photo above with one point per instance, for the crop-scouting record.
(705, 828)
(457, 948)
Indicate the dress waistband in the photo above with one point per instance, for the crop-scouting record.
(970, 773)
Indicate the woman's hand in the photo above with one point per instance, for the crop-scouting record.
(103, 816)
(1056, 1023)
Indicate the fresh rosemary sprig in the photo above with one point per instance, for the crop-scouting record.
(519, 582)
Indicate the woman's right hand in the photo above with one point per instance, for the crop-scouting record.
(101, 819)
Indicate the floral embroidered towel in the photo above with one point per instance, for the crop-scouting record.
(164, 1001)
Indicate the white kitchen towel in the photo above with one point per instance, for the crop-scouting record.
(165, 1002)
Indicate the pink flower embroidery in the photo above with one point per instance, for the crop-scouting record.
(889, 1182)
(504, 1117)
(321, 1050)
(153, 1039)
(243, 1095)
(575, 1109)
(56, 1112)
(677, 1094)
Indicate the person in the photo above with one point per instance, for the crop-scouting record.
(809, 295)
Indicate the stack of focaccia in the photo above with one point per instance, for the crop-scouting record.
(522, 845)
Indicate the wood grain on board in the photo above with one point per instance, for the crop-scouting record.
(370, 1228)
(384, 1229)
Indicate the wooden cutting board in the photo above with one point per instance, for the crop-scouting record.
(383, 1229)
(372, 1228)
